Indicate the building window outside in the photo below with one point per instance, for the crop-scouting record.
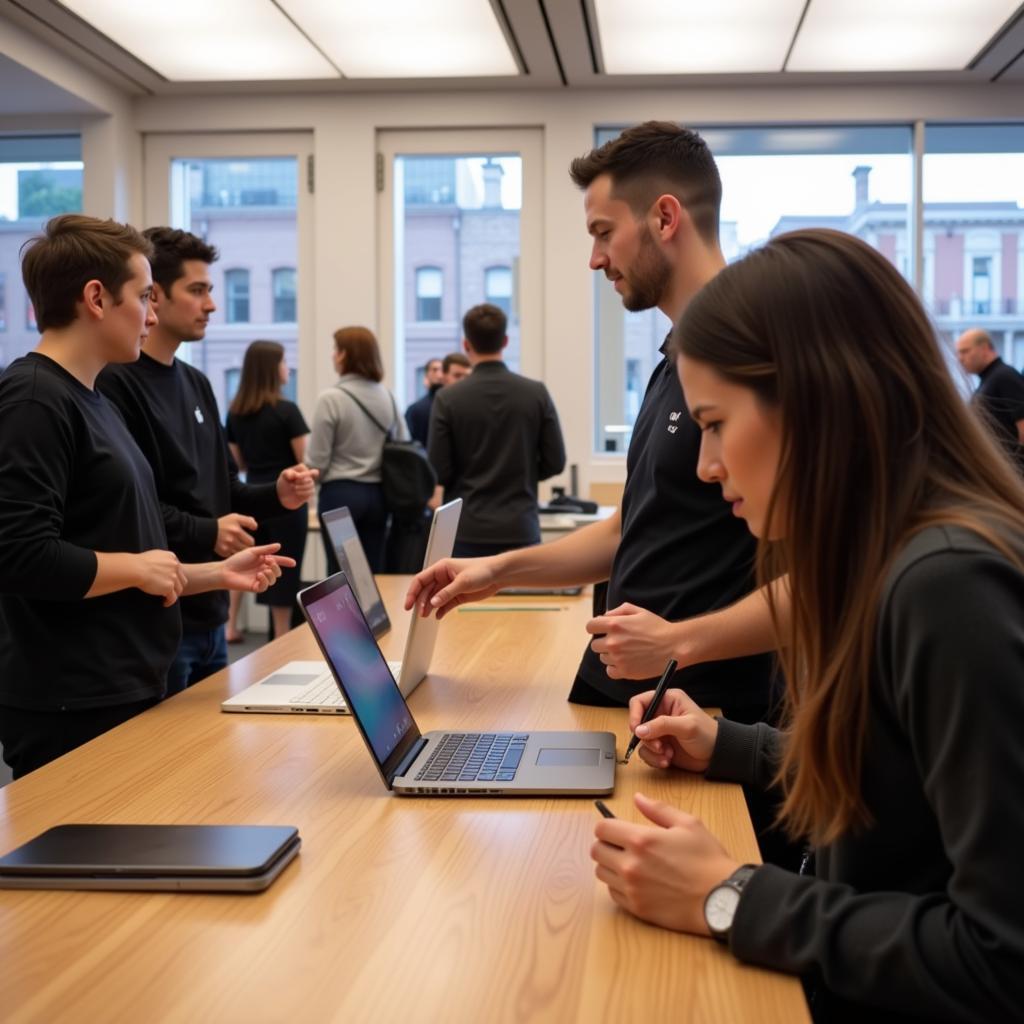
(429, 288)
(498, 288)
(981, 285)
(236, 287)
(40, 177)
(284, 295)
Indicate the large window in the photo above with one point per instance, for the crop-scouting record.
(429, 292)
(973, 188)
(40, 177)
(284, 295)
(236, 290)
(774, 179)
(498, 287)
(247, 208)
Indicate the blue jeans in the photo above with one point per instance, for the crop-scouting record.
(202, 652)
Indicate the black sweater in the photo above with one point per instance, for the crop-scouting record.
(72, 482)
(920, 916)
(172, 414)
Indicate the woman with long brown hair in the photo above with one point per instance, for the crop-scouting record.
(266, 434)
(350, 423)
(893, 529)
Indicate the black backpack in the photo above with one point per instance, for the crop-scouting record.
(406, 475)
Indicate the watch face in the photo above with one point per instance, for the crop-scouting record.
(720, 908)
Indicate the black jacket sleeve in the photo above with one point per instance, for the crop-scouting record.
(951, 657)
(440, 443)
(551, 449)
(37, 453)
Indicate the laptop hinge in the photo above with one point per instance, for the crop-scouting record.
(406, 763)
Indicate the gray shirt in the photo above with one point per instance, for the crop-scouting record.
(344, 443)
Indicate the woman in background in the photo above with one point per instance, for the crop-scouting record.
(832, 425)
(350, 423)
(266, 433)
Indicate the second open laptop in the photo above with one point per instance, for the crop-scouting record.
(513, 762)
(307, 687)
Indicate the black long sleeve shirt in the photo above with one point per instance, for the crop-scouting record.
(921, 915)
(493, 436)
(73, 482)
(172, 414)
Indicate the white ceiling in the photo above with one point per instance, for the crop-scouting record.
(554, 43)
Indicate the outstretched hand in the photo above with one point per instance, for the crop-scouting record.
(255, 569)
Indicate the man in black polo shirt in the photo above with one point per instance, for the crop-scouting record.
(172, 414)
(491, 440)
(1000, 395)
(674, 548)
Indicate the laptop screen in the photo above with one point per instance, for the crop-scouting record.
(348, 549)
(370, 690)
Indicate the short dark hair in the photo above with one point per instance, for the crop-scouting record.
(485, 327)
(171, 247)
(454, 359)
(653, 158)
(362, 354)
(73, 250)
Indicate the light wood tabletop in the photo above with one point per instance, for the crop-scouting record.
(397, 909)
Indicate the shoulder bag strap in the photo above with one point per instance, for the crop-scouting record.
(386, 431)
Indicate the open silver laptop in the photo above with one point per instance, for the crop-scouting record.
(307, 687)
(514, 762)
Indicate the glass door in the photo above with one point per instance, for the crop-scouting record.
(460, 225)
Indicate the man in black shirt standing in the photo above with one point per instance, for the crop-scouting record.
(491, 440)
(673, 551)
(171, 412)
(417, 416)
(1000, 395)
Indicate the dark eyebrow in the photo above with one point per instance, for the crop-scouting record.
(593, 225)
(699, 413)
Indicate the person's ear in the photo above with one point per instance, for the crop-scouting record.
(159, 295)
(93, 300)
(668, 217)
(467, 347)
(504, 341)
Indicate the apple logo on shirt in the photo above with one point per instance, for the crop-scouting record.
(199, 415)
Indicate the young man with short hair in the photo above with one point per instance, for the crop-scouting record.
(673, 551)
(455, 366)
(492, 439)
(171, 412)
(89, 620)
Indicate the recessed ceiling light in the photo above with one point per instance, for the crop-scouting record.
(651, 37)
(208, 40)
(896, 35)
(407, 38)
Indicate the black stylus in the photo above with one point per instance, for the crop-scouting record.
(652, 708)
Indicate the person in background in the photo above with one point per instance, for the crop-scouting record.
(171, 412)
(1000, 395)
(89, 611)
(417, 416)
(267, 434)
(346, 444)
(455, 367)
(492, 439)
(831, 424)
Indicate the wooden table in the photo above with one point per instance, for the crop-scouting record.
(397, 909)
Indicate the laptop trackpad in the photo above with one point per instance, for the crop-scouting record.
(568, 757)
(289, 679)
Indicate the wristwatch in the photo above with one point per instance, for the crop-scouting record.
(721, 903)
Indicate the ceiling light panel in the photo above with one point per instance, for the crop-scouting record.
(896, 35)
(658, 37)
(407, 38)
(208, 40)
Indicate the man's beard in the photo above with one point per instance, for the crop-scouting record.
(648, 280)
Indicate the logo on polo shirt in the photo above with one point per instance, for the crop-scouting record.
(199, 415)
(673, 421)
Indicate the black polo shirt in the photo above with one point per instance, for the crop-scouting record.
(1001, 395)
(682, 552)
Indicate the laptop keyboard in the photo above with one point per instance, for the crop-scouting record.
(323, 691)
(475, 757)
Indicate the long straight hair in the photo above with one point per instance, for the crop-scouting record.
(260, 383)
(876, 445)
